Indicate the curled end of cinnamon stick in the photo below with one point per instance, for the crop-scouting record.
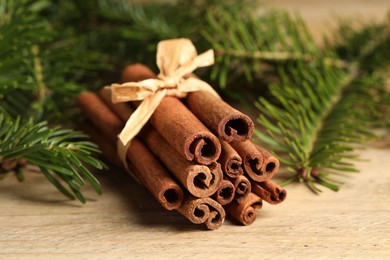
(271, 163)
(225, 193)
(271, 166)
(203, 148)
(249, 215)
(238, 127)
(217, 215)
(203, 180)
(149, 171)
(228, 123)
(230, 161)
(233, 167)
(242, 187)
(245, 210)
(203, 210)
(253, 164)
(171, 197)
(282, 194)
(253, 160)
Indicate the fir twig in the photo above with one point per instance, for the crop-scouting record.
(243, 41)
(61, 154)
(321, 113)
(36, 84)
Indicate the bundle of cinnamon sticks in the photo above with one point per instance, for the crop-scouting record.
(194, 155)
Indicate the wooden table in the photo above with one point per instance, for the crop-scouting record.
(37, 222)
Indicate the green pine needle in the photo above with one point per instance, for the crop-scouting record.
(322, 113)
(41, 70)
(61, 154)
(243, 42)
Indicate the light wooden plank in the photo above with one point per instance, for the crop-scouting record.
(37, 222)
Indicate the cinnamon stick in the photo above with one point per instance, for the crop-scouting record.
(153, 175)
(228, 123)
(230, 161)
(245, 210)
(271, 163)
(122, 110)
(203, 210)
(185, 132)
(242, 187)
(269, 191)
(225, 193)
(136, 72)
(100, 115)
(144, 165)
(169, 197)
(106, 147)
(252, 160)
(200, 180)
(178, 125)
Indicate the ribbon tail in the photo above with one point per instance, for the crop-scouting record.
(192, 84)
(202, 60)
(135, 123)
(205, 59)
(131, 91)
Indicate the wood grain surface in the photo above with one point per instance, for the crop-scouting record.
(127, 223)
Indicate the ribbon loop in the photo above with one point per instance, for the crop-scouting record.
(176, 59)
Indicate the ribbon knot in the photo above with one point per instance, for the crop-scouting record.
(175, 59)
(169, 81)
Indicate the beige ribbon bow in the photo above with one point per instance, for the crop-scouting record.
(175, 59)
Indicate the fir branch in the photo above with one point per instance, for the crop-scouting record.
(349, 41)
(41, 67)
(321, 114)
(128, 31)
(243, 42)
(20, 32)
(61, 154)
(38, 76)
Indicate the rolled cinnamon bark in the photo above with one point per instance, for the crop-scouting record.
(252, 160)
(228, 123)
(178, 125)
(225, 193)
(136, 72)
(106, 147)
(242, 187)
(245, 210)
(269, 191)
(122, 110)
(144, 165)
(203, 210)
(200, 180)
(185, 132)
(100, 115)
(271, 163)
(153, 175)
(230, 160)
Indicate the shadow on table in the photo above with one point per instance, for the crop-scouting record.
(141, 204)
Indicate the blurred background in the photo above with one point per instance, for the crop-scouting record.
(320, 15)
